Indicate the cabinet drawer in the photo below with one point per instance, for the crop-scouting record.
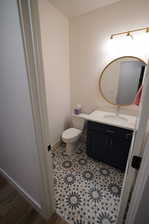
(108, 129)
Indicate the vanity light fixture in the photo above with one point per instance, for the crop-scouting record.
(129, 33)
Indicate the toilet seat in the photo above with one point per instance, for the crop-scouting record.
(71, 134)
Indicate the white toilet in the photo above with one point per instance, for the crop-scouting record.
(72, 135)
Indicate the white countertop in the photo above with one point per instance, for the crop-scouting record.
(100, 117)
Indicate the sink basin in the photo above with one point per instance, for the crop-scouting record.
(116, 118)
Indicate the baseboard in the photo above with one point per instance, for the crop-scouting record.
(24, 194)
(57, 144)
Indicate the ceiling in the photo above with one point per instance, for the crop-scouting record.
(72, 8)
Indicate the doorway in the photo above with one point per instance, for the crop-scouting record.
(81, 196)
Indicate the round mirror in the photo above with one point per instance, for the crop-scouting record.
(121, 79)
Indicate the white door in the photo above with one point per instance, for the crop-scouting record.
(23, 140)
(136, 149)
(139, 204)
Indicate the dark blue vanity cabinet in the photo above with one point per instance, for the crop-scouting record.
(108, 144)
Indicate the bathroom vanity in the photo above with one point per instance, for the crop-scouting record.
(108, 144)
(109, 137)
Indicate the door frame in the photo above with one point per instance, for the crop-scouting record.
(141, 181)
(30, 27)
(143, 173)
(29, 19)
(137, 147)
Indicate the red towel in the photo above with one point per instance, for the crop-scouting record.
(138, 96)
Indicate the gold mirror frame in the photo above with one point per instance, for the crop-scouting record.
(100, 78)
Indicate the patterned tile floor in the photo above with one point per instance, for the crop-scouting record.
(87, 192)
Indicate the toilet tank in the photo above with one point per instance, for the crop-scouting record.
(77, 122)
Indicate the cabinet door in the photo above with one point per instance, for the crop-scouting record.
(118, 149)
(108, 144)
(97, 143)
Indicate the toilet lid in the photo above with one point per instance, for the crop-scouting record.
(71, 133)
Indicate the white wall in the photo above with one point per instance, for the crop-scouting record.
(55, 45)
(18, 155)
(91, 49)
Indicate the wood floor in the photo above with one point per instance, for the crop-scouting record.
(15, 210)
(56, 220)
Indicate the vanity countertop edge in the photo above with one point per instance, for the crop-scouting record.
(99, 117)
